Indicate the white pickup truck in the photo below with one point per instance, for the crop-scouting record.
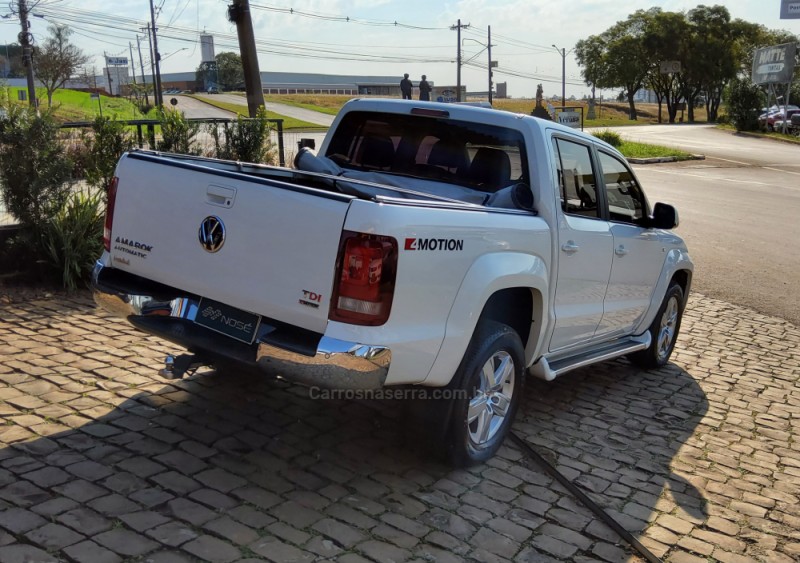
(426, 246)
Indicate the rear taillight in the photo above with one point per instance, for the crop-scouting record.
(111, 200)
(365, 279)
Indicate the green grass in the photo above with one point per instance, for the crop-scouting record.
(71, 105)
(288, 122)
(643, 150)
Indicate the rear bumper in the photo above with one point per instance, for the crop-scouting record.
(282, 350)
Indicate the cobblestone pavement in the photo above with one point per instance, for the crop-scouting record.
(103, 461)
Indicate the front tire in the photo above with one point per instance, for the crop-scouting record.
(664, 331)
(489, 382)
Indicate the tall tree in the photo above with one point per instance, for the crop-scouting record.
(230, 72)
(57, 60)
(615, 58)
(666, 36)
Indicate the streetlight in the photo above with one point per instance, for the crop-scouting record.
(487, 46)
(563, 53)
(168, 55)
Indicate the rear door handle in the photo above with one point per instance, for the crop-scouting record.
(570, 247)
(620, 251)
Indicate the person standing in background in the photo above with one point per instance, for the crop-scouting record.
(424, 90)
(405, 87)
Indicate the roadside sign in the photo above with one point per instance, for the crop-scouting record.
(570, 119)
(447, 95)
(94, 96)
(669, 67)
(790, 9)
(22, 95)
(174, 101)
(117, 61)
(774, 65)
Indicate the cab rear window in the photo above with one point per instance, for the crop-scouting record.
(482, 157)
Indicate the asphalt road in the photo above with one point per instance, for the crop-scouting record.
(739, 213)
(197, 109)
(315, 117)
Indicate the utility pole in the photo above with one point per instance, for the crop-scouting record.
(25, 37)
(108, 73)
(458, 28)
(563, 53)
(141, 64)
(133, 64)
(152, 64)
(489, 48)
(157, 85)
(239, 13)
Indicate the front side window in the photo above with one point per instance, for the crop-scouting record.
(576, 178)
(626, 201)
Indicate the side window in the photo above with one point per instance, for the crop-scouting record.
(626, 202)
(576, 178)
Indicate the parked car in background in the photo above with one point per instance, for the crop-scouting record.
(767, 120)
(213, 90)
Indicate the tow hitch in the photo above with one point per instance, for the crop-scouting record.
(177, 367)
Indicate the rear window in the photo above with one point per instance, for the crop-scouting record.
(482, 157)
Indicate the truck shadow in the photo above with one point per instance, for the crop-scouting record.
(123, 441)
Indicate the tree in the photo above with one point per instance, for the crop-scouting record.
(57, 60)
(230, 72)
(615, 58)
(11, 61)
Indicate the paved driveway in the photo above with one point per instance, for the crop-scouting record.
(103, 461)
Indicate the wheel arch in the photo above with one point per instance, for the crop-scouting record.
(509, 288)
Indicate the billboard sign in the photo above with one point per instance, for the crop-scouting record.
(448, 95)
(669, 67)
(570, 119)
(790, 9)
(774, 65)
(117, 61)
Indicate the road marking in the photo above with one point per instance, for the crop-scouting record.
(729, 160)
(784, 171)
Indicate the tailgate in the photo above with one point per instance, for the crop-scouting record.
(280, 241)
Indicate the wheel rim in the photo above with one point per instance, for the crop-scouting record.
(667, 328)
(488, 409)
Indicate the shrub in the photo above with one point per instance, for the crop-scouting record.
(177, 133)
(245, 140)
(109, 139)
(73, 238)
(744, 100)
(611, 137)
(35, 172)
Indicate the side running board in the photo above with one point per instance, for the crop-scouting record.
(549, 371)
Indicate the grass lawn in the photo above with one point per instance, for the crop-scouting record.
(71, 105)
(631, 149)
(288, 122)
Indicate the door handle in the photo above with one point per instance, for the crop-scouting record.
(620, 251)
(570, 247)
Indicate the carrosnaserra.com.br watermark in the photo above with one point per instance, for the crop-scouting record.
(389, 393)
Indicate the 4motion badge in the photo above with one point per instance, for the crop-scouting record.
(212, 233)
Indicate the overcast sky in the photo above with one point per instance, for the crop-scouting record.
(321, 40)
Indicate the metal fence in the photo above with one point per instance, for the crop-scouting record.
(146, 136)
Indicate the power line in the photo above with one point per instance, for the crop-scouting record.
(344, 19)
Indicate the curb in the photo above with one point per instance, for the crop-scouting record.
(659, 159)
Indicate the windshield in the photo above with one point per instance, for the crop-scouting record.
(482, 157)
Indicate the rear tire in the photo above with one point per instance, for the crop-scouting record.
(663, 332)
(489, 385)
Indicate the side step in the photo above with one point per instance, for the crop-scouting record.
(549, 371)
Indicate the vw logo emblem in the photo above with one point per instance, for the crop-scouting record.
(212, 233)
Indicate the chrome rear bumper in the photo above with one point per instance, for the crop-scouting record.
(162, 311)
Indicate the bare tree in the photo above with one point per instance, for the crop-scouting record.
(57, 60)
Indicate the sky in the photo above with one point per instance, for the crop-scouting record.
(371, 37)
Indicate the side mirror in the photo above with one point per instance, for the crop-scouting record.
(664, 216)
